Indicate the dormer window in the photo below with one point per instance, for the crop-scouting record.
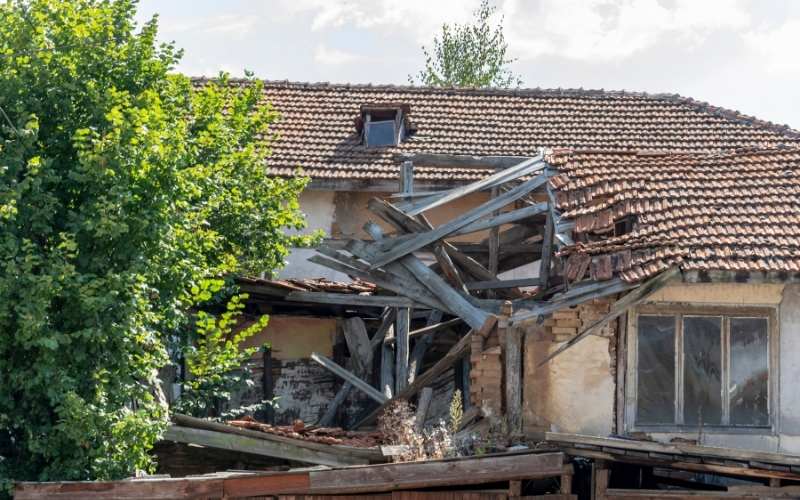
(383, 125)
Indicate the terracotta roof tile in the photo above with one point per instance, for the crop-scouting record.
(316, 130)
(727, 211)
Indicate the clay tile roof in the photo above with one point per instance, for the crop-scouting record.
(736, 212)
(317, 130)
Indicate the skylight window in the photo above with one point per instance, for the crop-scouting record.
(383, 125)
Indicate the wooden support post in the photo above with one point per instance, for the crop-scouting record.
(600, 476)
(387, 369)
(565, 485)
(513, 372)
(401, 348)
(423, 404)
(267, 384)
(407, 178)
(547, 253)
(514, 489)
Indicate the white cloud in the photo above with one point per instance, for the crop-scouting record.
(235, 25)
(333, 56)
(420, 18)
(777, 48)
(607, 30)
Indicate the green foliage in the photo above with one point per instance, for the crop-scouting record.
(456, 411)
(214, 358)
(124, 189)
(469, 55)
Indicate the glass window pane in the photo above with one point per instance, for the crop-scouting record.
(702, 372)
(655, 370)
(749, 372)
(381, 134)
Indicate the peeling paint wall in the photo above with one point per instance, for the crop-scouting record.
(573, 392)
(304, 389)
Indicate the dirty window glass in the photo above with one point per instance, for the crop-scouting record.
(702, 370)
(656, 370)
(749, 372)
(381, 134)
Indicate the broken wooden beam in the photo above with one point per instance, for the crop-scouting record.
(350, 377)
(523, 168)
(504, 218)
(454, 354)
(618, 308)
(424, 239)
(350, 299)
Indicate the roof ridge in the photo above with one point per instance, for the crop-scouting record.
(695, 104)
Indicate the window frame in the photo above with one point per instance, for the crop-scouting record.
(680, 310)
(397, 134)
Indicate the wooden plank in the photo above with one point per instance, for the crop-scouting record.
(401, 348)
(424, 239)
(454, 354)
(358, 343)
(423, 403)
(621, 494)
(673, 448)
(525, 167)
(266, 484)
(350, 299)
(505, 218)
(618, 308)
(347, 376)
(435, 473)
(258, 446)
(160, 488)
(513, 283)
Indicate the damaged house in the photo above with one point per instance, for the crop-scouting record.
(614, 273)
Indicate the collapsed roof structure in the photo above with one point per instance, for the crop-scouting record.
(590, 262)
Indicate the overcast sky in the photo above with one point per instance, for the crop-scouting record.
(739, 54)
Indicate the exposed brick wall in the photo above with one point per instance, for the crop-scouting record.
(486, 374)
(566, 323)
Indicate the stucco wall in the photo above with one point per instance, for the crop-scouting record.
(573, 392)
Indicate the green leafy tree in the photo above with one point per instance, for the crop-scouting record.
(469, 55)
(124, 189)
